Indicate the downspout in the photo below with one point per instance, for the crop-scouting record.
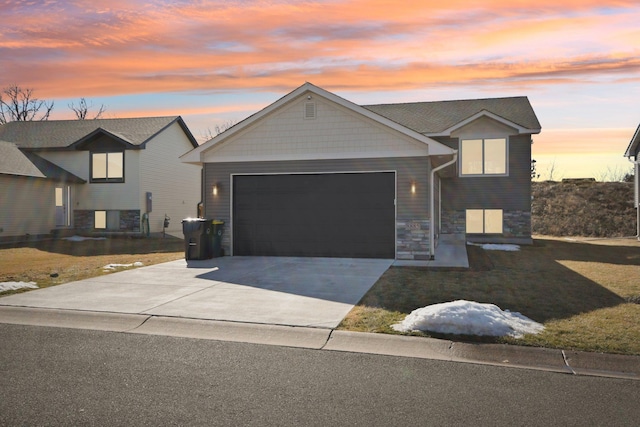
(432, 203)
(636, 183)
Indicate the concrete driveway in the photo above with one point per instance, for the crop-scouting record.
(313, 292)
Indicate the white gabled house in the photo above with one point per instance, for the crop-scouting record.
(105, 176)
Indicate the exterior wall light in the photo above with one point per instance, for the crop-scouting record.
(413, 188)
(215, 189)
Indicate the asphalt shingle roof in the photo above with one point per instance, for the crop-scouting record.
(63, 133)
(435, 117)
(15, 162)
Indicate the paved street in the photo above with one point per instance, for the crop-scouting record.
(57, 376)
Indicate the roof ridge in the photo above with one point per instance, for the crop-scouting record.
(91, 120)
(447, 101)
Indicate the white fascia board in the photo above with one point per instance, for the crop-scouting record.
(485, 113)
(633, 145)
(196, 155)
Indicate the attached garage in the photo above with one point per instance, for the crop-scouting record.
(323, 215)
(315, 175)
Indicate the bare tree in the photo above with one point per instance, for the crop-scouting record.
(552, 170)
(615, 174)
(82, 110)
(18, 104)
(218, 129)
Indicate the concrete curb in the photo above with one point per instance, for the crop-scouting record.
(551, 360)
(544, 359)
(100, 321)
(254, 333)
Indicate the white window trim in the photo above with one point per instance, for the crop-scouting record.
(484, 175)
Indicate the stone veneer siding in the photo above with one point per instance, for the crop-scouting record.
(412, 239)
(515, 223)
(129, 220)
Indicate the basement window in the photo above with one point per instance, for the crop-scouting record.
(484, 221)
(106, 220)
(100, 220)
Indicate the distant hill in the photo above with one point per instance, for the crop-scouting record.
(583, 208)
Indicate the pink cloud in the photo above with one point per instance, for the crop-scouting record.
(74, 48)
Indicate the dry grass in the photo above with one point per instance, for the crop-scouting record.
(53, 262)
(595, 209)
(581, 291)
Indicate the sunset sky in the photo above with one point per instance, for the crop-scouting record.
(218, 61)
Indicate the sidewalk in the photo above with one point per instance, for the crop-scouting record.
(560, 361)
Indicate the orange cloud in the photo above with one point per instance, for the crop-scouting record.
(73, 49)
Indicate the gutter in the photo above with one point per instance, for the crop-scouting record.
(432, 243)
(636, 179)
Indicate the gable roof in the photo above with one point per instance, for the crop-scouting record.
(442, 117)
(60, 134)
(435, 147)
(634, 145)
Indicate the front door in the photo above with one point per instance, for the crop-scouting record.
(62, 206)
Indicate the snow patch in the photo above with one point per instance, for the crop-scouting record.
(497, 247)
(468, 318)
(111, 267)
(12, 286)
(82, 238)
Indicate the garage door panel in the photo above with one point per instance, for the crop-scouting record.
(338, 215)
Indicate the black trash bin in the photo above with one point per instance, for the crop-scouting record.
(218, 229)
(197, 238)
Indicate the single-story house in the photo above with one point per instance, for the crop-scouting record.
(96, 176)
(633, 154)
(314, 174)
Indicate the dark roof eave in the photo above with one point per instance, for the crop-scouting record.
(85, 139)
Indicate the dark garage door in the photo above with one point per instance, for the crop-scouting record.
(349, 215)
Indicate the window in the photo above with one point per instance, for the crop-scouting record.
(107, 167)
(106, 220)
(483, 156)
(100, 220)
(484, 221)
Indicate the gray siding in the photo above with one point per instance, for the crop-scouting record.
(408, 170)
(511, 192)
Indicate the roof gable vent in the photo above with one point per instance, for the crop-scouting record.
(309, 110)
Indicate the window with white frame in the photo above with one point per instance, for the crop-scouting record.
(484, 221)
(107, 167)
(483, 156)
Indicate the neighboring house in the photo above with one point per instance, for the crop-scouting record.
(633, 154)
(96, 176)
(316, 175)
